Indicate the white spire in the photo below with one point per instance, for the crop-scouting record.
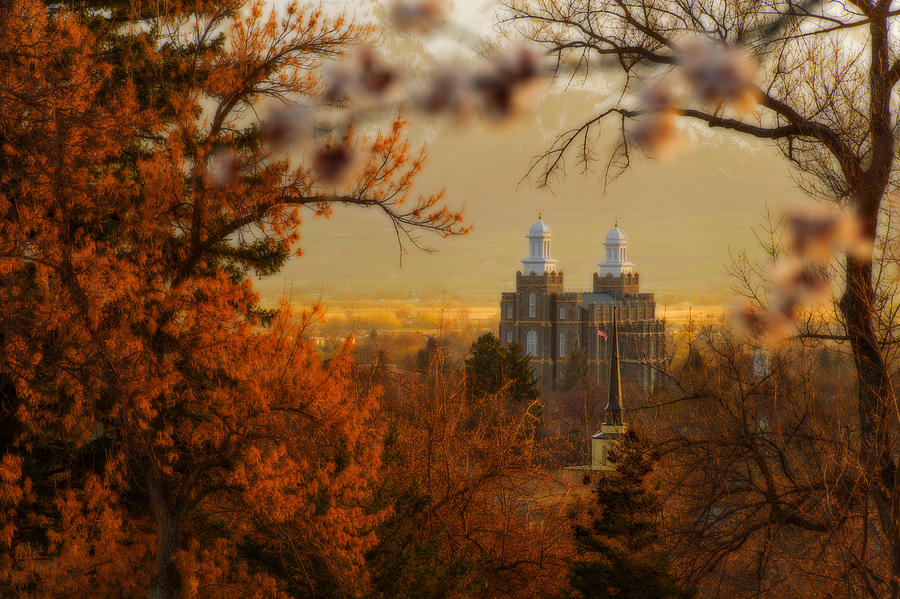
(616, 262)
(539, 260)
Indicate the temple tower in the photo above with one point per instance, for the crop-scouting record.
(616, 262)
(539, 261)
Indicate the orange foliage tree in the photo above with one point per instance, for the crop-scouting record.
(162, 433)
(484, 509)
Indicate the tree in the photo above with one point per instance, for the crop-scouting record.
(576, 369)
(523, 382)
(759, 470)
(619, 551)
(824, 93)
(579, 408)
(435, 350)
(494, 369)
(407, 563)
(478, 515)
(164, 434)
(486, 366)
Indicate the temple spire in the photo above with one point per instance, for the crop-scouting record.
(616, 247)
(539, 261)
(614, 404)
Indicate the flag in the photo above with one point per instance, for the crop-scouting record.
(601, 333)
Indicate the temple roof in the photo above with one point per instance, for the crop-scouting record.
(616, 236)
(539, 229)
(602, 297)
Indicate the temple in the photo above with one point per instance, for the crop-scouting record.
(550, 322)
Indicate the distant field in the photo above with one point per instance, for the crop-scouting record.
(681, 313)
(343, 315)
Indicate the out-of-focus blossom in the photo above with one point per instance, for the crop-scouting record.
(719, 74)
(223, 167)
(815, 235)
(749, 318)
(508, 85)
(419, 16)
(780, 320)
(288, 125)
(771, 325)
(337, 163)
(656, 131)
(802, 283)
(448, 91)
(658, 97)
(658, 134)
(817, 232)
(340, 81)
(796, 286)
(363, 75)
(376, 78)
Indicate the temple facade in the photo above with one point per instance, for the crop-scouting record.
(550, 322)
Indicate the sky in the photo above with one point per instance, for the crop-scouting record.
(683, 216)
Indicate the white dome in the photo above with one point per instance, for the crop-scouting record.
(616, 249)
(616, 236)
(539, 229)
(539, 261)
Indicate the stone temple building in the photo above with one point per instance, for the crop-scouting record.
(550, 322)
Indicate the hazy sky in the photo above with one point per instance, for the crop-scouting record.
(682, 217)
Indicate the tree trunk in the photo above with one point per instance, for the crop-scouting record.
(875, 400)
(162, 585)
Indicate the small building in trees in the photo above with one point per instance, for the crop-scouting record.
(550, 322)
(613, 426)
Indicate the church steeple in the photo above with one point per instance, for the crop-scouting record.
(614, 427)
(614, 403)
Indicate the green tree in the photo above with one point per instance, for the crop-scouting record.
(523, 386)
(619, 552)
(408, 561)
(576, 369)
(493, 369)
(486, 366)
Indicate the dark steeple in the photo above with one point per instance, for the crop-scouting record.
(614, 405)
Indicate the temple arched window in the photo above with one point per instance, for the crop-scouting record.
(531, 343)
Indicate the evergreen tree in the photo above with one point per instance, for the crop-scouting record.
(575, 370)
(408, 562)
(619, 551)
(493, 368)
(486, 366)
(523, 386)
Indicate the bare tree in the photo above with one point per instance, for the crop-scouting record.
(766, 487)
(825, 95)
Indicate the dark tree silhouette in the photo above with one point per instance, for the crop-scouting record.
(495, 369)
(619, 550)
